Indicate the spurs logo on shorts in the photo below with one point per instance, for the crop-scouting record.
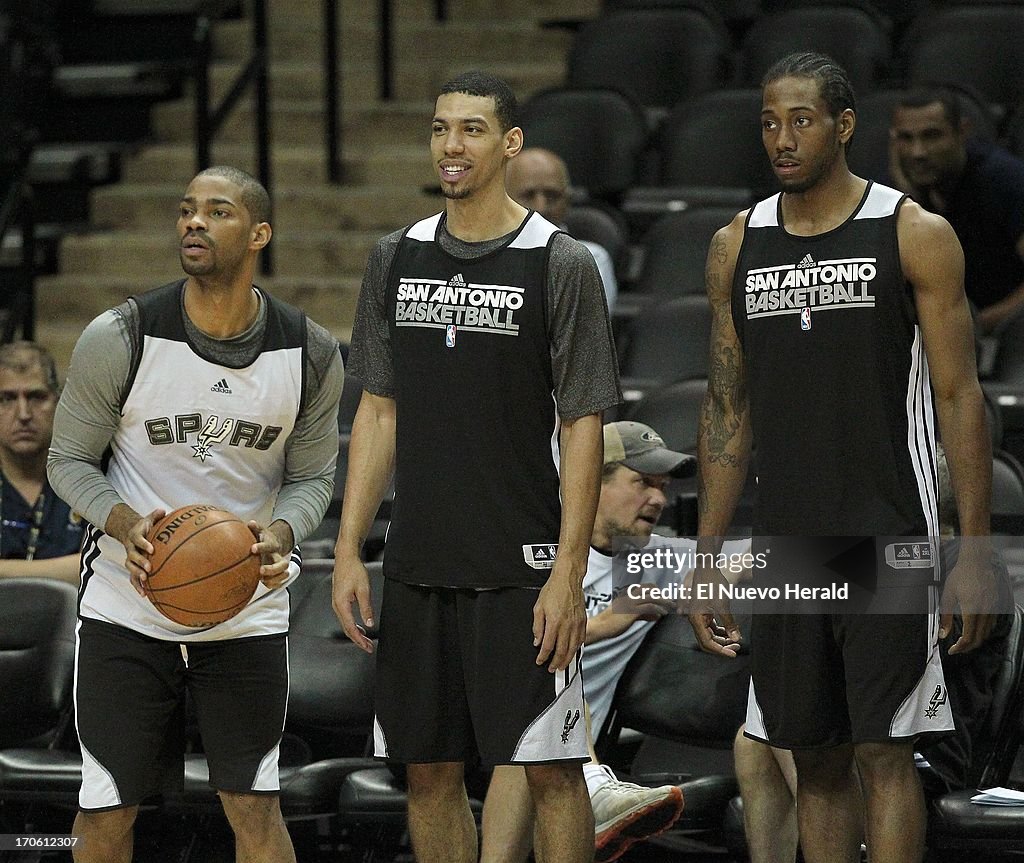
(570, 723)
(938, 698)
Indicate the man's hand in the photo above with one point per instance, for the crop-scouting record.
(559, 619)
(274, 546)
(130, 529)
(352, 584)
(973, 589)
(712, 621)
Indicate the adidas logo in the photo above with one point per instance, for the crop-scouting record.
(903, 552)
(457, 280)
(808, 261)
(221, 387)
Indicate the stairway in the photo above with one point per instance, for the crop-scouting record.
(322, 233)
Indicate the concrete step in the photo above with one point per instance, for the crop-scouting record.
(404, 165)
(299, 123)
(153, 258)
(413, 41)
(302, 81)
(330, 302)
(136, 207)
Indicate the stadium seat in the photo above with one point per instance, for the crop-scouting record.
(1007, 484)
(714, 140)
(673, 410)
(1009, 362)
(599, 133)
(673, 691)
(602, 225)
(675, 250)
(954, 822)
(656, 57)
(668, 341)
(980, 46)
(39, 762)
(852, 36)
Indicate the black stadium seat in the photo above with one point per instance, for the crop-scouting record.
(599, 133)
(852, 36)
(675, 250)
(980, 46)
(657, 57)
(668, 341)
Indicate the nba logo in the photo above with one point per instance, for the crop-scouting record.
(449, 335)
(805, 318)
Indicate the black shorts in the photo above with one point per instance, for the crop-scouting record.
(457, 679)
(130, 712)
(819, 680)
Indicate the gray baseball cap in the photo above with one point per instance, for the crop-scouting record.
(642, 449)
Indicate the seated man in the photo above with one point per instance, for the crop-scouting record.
(767, 776)
(539, 179)
(637, 468)
(39, 535)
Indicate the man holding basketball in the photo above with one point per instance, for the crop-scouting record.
(835, 379)
(483, 344)
(206, 390)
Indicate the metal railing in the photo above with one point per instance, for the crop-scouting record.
(207, 122)
(385, 64)
(17, 208)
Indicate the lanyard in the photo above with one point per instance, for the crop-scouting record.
(34, 527)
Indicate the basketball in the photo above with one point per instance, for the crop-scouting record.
(202, 572)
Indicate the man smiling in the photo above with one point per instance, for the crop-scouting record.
(492, 432)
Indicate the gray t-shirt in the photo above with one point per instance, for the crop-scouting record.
(583, 360)
(88, 415)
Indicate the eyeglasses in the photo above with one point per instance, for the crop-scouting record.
(34, 399)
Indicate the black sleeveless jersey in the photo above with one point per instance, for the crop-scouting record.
(840, 397)
(476, 471)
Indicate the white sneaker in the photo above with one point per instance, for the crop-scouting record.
(625, 814)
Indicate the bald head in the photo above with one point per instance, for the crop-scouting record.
(538, 178)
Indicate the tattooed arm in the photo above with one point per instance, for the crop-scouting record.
(723, 443)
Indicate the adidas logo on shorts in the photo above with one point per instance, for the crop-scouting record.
(221, 387)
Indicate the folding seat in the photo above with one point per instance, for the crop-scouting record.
(39, 760)
(1009, 361)
(668, 341)
(674, 412)
(599, 133)
(603, 225)
(850, 35)
(656, 57)
(673, 691)
(714, 141)
(980, 46)
(675, 250)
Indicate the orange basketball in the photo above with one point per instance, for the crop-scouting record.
(202, 572)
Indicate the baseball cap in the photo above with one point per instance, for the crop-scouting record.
(642, 449)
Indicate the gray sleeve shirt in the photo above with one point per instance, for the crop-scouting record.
(88, 415)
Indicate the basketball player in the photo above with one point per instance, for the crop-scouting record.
(482, 340)
(204, 390)
(836, 377)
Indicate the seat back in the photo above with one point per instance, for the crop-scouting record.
(675, 411)
(331, 680)
(1007, 484)
(852, 36)
(673, 690)
(37, 658)
(981, 46)
(669, 341)
(656, 57)
(715, 140)
(676, 249)
(599, 133)
(602, 225)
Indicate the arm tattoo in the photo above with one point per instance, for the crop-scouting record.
(726, 381)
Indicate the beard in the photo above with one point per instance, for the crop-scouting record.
(455, 194)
